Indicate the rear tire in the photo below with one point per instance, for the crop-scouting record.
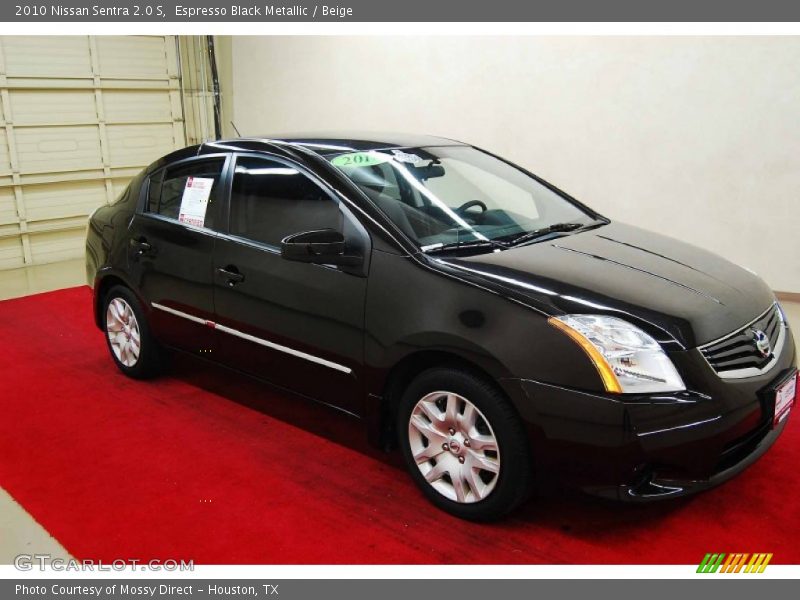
(464, 444)
(134, 350)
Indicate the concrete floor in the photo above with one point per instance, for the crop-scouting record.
(19, 531)
(21, 534)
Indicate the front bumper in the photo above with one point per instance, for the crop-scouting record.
(640, 448)
(652, 486)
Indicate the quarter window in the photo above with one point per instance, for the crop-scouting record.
(188, 193)
(154, 191)
(271, 200)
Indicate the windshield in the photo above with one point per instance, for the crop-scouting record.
(448, 196)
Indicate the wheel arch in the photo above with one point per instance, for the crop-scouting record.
(384, 401)
(103, 282)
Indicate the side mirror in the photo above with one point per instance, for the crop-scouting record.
(321, 246)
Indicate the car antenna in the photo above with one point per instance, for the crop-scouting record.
(235, 129)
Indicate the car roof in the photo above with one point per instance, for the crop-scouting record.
(333, 142)
(330, 143)
(317, 142)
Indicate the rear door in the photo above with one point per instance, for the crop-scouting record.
(171, 248)
(295, 324)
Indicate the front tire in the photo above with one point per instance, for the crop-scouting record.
(464, 444)
(133, 348)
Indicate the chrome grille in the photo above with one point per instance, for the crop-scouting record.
(750, 350)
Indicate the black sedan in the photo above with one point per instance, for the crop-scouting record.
(496, 329)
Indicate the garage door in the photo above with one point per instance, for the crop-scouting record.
(81, 115)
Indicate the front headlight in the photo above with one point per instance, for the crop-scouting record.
(629, 361)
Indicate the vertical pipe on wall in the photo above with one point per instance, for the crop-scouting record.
(212, 59)
(186, 134)
(202, 56)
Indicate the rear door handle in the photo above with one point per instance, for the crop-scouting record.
(141, 245)
(232, 274)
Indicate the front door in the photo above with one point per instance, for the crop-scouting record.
(171, 245)
(295, 324)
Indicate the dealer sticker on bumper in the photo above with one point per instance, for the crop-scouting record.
(784, 399)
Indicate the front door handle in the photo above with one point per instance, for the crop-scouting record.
(232, 274)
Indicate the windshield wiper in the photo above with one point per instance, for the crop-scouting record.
(502, 244)
(537, 233)
(470, 245)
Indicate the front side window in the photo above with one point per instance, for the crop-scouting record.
(188, 192)
(446, 196)
(271, 200)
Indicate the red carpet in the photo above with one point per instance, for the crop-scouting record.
(205, 465)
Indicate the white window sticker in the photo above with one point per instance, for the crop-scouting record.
(405, 157)
(195, 200)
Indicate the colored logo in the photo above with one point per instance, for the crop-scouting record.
(736, 562)
(762, 342)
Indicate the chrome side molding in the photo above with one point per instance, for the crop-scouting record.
(254, 339)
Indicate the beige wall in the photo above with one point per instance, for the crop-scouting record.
(698, 138)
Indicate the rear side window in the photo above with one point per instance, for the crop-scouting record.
(270, 200)
(188, 193)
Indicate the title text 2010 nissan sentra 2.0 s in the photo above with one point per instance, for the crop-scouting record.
(493, 327)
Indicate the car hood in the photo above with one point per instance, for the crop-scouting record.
(664, 285)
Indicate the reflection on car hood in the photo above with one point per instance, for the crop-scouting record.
(663, 284)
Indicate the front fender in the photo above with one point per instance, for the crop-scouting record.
(413, 309)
